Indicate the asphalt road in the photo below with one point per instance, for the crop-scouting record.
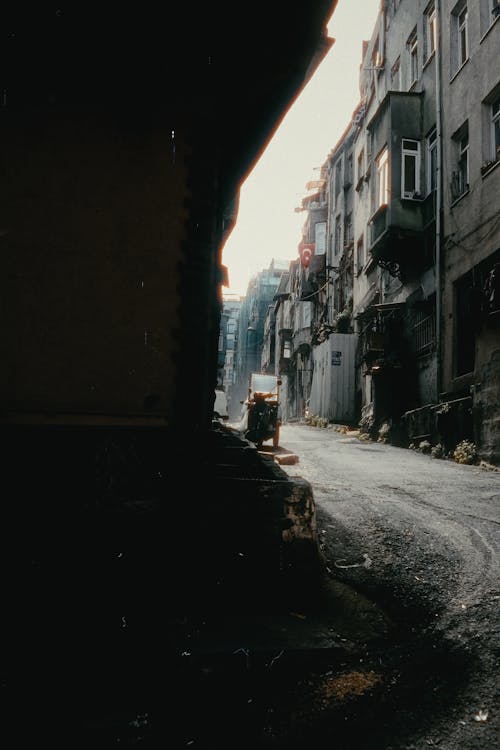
(419, 537)
(390, 643)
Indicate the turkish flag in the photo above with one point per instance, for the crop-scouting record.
(306, 257)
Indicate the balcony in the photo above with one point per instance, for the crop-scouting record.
(318, 266)
(402, 236)
(374, 343)
(381, 340)
(401, 229)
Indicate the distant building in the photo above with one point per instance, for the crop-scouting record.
(231, 306)
(250, 332)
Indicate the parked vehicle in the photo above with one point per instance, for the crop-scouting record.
(263, 418)
(220, 405)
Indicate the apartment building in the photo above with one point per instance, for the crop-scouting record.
(231, 305)
(470, 314)
(395, 210)
(252, 328)
(410, 272)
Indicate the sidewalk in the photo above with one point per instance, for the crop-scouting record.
(265, 517)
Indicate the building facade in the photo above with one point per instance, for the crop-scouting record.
(400, 247)
(251, 329)
(470, 378)
(231, 305)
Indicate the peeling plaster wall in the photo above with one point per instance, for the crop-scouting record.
(486, 408)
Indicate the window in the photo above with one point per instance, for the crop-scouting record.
(495, 129)
(338, 235)
(361, 159)
(320, 238)
(460, 177)
(348, 170)
(338, 177)
(491, 129)
(489, 12)
(396, 76)
(412, 45)
(410, 166)
(430, 24)
(424, 328)
(463, 163)
(377, 60)
(431, 167)
(462, 37)
(348, 238)
(360, 254)
(459, 36)
(382, 179)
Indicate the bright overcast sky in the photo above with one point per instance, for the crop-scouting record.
(267, 226)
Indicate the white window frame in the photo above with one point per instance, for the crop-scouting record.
(462, 36)
(396, 84)
(460, 177)
(348, 235)
(410, 153)
(463, 163)
(495, 128)
(338, 235)
(320, 238)
(382, 179)
(431, 167)
(430, 31)
(459, 36)
(412, 45)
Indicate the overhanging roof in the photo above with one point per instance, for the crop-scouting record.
(192, 63)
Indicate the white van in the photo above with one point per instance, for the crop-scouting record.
(220, 405)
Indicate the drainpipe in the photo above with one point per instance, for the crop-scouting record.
(439, 197)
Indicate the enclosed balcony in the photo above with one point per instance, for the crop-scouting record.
(402, 223)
